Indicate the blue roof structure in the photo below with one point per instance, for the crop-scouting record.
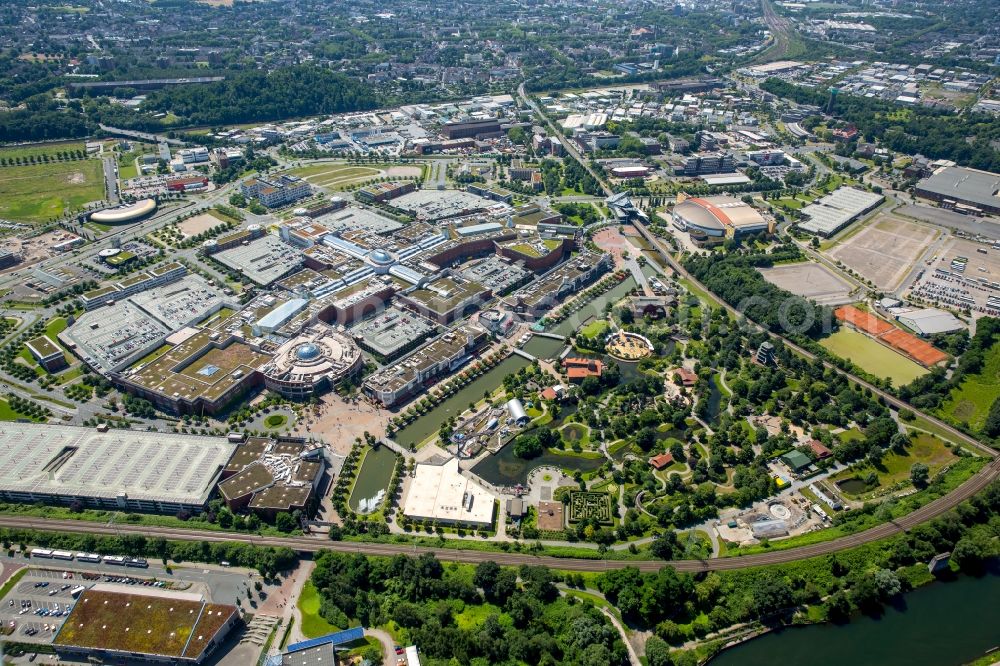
(338, 638)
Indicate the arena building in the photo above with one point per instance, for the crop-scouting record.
(125, 214)
(316, 360)
(719, 217)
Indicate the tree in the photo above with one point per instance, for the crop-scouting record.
(919, 474)
(657, 652)
(838, 608)
(770, 593)
(887, 583)
(284, 522)
(971, 552)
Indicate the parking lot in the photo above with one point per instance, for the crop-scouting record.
(961, 277)
(34, 610)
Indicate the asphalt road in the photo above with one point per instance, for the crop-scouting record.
(306, 545)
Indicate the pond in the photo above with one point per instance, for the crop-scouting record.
(544, 348)
(505, 469)
(941, 624)
(714, 401)
(428, 424)
(594, 308)
(853, 486)
(373, 479)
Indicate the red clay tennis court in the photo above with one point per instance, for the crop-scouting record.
(863, 321)
(914, 347)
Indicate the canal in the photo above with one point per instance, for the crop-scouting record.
(594, 308)
(373, 479)
(428, 424)
(544, 348)
(941, 624)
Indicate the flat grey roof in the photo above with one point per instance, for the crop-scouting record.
(264, 260)
(74, 461)
(972, 185)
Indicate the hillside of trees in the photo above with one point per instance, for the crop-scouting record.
(936, 134)
(257, 96)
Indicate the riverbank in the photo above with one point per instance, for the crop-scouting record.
(941, 623)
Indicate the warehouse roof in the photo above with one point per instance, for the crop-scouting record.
(930, 321)
(69, 460)
(978, 187)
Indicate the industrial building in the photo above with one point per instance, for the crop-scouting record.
(442, 494)
(144, 625)
(124, 470)
(930, 321)
(965, 190)
(836, 210)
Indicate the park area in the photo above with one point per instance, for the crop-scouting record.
(895, 466)
(590, 505)
(42, 192)
(885, 250)
(342, 176)
(872, 357)
(970, 401)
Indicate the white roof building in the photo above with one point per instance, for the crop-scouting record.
(442, 493)
(118, 469)
(930, 321)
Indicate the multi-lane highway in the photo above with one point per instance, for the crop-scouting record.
(307, 545)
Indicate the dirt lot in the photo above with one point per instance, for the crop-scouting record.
(403, 171)
(810, 280)
(33, 250)
(198, 224)
(885, 250)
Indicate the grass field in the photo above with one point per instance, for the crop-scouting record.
(895, 467)
(8, 414)
(335, 176)
(971, 401)
(40, 149)
(872, 357)
(40, 192)
(313, 625)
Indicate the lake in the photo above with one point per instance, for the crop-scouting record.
(943, 624)
(506, 469)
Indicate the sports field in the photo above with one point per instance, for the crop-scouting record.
(971, 401)
(342, 176)
(41, 192)
(872, 357)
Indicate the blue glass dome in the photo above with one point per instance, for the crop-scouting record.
(381, 257)
(307, 352)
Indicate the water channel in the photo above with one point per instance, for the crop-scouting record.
(373, 479)
(426, 425)
(941, 624)
(594, 308)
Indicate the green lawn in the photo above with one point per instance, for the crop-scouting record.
(8, 414)
(872, 357)
(595, 328)
(474, 616)
(39, 149)
(970, 402)
(313, 625)
(895, 467)
(41, 192)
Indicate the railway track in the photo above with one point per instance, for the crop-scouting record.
(308, 545)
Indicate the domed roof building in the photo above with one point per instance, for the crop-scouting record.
(316, 360)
